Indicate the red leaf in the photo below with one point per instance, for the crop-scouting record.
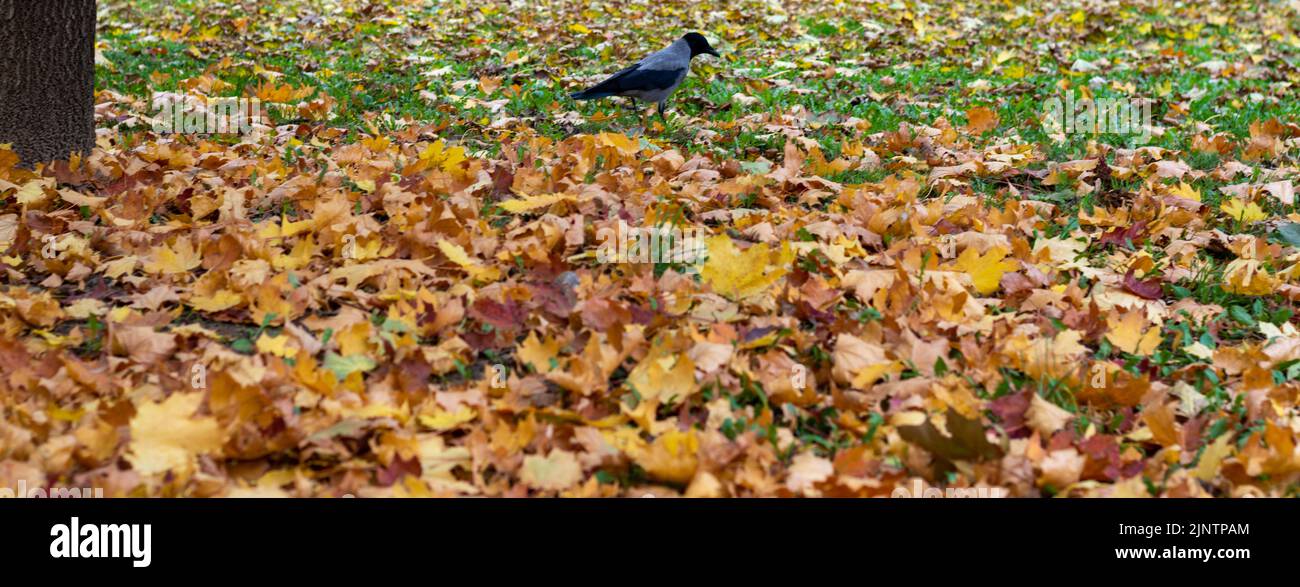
(1010, 410)
(1149, 289)
(1103, 457)
(1123, 236)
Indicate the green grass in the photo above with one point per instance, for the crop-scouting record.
(379, 81)
(367, 82)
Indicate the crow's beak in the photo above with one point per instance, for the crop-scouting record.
(713, 52)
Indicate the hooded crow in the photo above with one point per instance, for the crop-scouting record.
(654, 78)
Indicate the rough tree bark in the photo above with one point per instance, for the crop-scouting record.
(47, 77)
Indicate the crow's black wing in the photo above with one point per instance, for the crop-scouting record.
(631, 79)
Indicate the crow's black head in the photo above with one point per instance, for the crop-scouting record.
(699, 44)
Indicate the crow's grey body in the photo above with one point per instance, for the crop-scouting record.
(654, 78)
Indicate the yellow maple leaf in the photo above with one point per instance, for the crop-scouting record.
(663, 376)
(1247, 277)
(868, 375)
(446, 420)
(1186, 191)
(1041, 356)
(738, 275)
(449, 158)
(119, 267)
(626, 146)
(216, 301)
(354, 339)
(1242, 211)
(557, 471)
(985, 270)
(456, 254)
(1208, 467)
(275, 345)
(382, 410)
(1129, 334)
(165, 437)
(179, 258)
(303, 252)
(438, 462)
(291, 229)
(365, 185)
(537, 353)
(530, 203)
(33, 192)
(671, 457)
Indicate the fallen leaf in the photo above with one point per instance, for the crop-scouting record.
(166, 437)
(739, 275)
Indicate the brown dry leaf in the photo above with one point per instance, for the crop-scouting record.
(354, 297)
(1046, 417)
(1130, 334)
(142, 344)
(853, 356)
(1062, 468)
(981, 119)
(961, 439)
(1160, 419)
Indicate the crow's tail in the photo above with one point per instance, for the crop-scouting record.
(589, 95)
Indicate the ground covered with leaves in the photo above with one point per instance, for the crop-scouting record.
(393, 286)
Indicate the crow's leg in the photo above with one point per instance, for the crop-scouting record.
(640, 114)
(661, 114)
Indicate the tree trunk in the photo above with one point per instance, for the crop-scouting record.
(47, 78)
